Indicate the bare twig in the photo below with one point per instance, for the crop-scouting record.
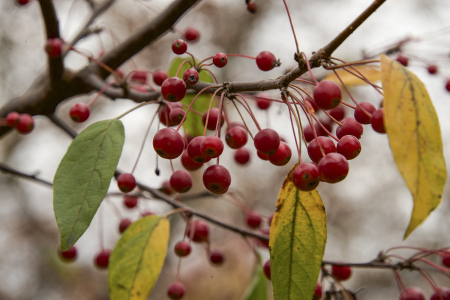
(7, 169)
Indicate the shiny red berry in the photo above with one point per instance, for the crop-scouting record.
(333, 168)
(168, 143)
(68, 255)
(216, 257)
(338, 113)
(12, 119)
(23, 2)
(164, 112)
(262, 156)
(262, 101)
(350, 127)
(181, 181)
(236, 137)
(124, 224)
(182, 249)
(26, 124)
(252, 7)
(412, 294)
(159, 76)
(166, 188)
(320, 147)
(217, 179)
(349, 146)
(377, 121)
(403, 60)
(130, 201)
(194, 150)
(447, 85)
(242, 156)
(267, 141)
(179, 47)
(267, 269)
(327, 94)
(191, 34)
(53, 47)
(200, 231)
(220, 60)
(173, 89)
(79, 112)
(446, 258)
(126, 182)
(253, 219)
(101, 260)
(266, 61)
(188, 163)
(362, 116)
(211, 147)
(176, 115)
(190, 76)
(432, 69)
(282, 156)
(176, 291)
(441, 293)
(341, 272)
(212, 118)
(306, 176)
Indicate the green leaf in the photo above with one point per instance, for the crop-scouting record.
(193, 123)
(258, 286)
(297, 242)
(83, 178)
(414, 136)
(137, 259)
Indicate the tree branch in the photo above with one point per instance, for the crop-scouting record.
(7, 169)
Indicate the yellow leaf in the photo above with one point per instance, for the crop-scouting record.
(297, 242)
(137, 259)
(372, 73)
(414, 136)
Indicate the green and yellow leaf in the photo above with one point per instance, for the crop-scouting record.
(414, 136)
(83, 177)
(372, 73)
(297, 242)
(138, 258)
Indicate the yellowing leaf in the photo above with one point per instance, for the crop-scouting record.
(414, 136)
(371, 72)
(297, 242)
(137, 259)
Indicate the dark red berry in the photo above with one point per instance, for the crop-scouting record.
(262, 156)
(412, 294)
(130, 201)
(188, 163)
(68, 255)
(139, 76)
(403, 60)
(26, 124)
(333, 168)
(191, 34)
(236, 137)
(212, 118)
(176, 115)
(53, 47)
(179, 47)
(349, 146)
(262, 101)
(159, 76)
(267, 141)
(211, 147)
(168, 143)
(173, 89)
(182, 249)
(327, 94)
(194, 149)
(220, 60)
(165, 110)
(181, 181)
(317, 145)
(126, 182)
(341, 272)
(266, 61)
(267, 269)
(23, 2)
(364, 117)
(253, 219)
(200, 233)
(79, 112)
(447, 85)
(217, 179)
(282, 156)
(312, 103)
(318, 292)
(350, 127)
(102, 259)
(242, 156)
(309, 133)
(306, 176)
(216, 257)
(190, 76)
(432, 69)
(12, 119)
(166, 188)
(252, 7)
(338, 113)
(124, 224)
(378, 121)
(441, 293)
(176, 290)
(446, 258)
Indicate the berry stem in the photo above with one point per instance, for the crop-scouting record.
(401, 285)
(209, 110)
(240, 55)
(176, 211)
(134, 108)
(331, 117)
(210, 73)
(249, 110)
(219, 119)
(350, 95)
(428, 279)
(292, 26)
(309, 67)
(348, 105)
(100, 93)
(171, 166)
(305, 81)
(181, 66)
(113, 208)
(355, 63)
(291, 112)
(242, 118)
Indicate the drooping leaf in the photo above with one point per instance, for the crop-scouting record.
(193, 123)
(258, 286)
(83, 177)
(137, 259)
(297, 242)
(414, 136)
(372, 73)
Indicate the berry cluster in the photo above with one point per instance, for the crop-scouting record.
(23, 123)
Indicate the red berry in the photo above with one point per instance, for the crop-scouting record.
(159, 76)
(176, 115)
(327, 94)
(317, 145)
(126, 182)
(267, 269)
(190, 76)
(361, 116)
(236, 137)
(53, 47)
(350, 127)
(181, 181)
(12, 119)
(212, 119)
(349, 146)
(79, 112)
(220, 60)
(201, 231)
(446, 258)
(266, 61)
(23, 2)
(68, 255)
(262, 156)
(242, 156)
(173, 89)
(179, 47)
(102, 259)
(191, 34)
(412, 294)
(432, 69)
(176, 290)
(139, 76)
(188, 163)
(164, 112)
(282, 156)
(447, 85)
(312, 103)
(194, 149)
(252, 7)
(216, 257)
(403, 60)
(318, 292)
(262, 101)
(341, 272)
(338, 113)
(442, 293)
(333, 168)
(377, 121)
(306, 176)
(253, 219)
(309, 133)
(211, 147)
(216, 179)
(124, 224)
(26, 124)
(166, 188)
(267, 141)
(168, 143)
(182, 249)
(130, 201)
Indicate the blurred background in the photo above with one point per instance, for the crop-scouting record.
(367, 213)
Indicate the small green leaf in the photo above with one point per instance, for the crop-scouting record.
(297, 242)
(258, 286)
(415, 139)
(83, 177)
(193, 123)
(137, 259)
